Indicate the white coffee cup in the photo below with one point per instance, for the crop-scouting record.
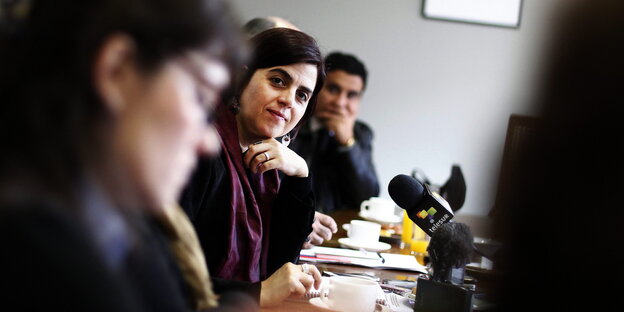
(378, 208)
(364, 232)
(350, 294)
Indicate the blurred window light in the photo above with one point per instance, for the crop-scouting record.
(505, 13)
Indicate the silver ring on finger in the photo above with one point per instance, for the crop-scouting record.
(305, 268)
(266, 154)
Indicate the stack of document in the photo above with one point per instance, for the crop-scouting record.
(362, 258)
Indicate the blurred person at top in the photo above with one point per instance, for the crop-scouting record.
(561, 222)
(257, 25)
(105, 108)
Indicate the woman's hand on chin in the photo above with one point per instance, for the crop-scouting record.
(271, 154)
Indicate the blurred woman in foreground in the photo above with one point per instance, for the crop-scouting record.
(104, 108)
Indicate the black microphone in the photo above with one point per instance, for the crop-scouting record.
(427, 209)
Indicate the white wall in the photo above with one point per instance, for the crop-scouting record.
(439, 92)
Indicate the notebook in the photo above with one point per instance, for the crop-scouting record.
(361, 258)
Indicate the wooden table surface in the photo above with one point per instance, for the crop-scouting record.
(303, 304)
(483, 278)
(342, 217)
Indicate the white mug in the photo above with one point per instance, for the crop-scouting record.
(378, 208)
(350, 294)
(364, 232)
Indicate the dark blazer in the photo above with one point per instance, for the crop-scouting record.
(342, 177)
(49, 263)
(206, 201)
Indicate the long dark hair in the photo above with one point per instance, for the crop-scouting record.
(279, 47)
(50, 112)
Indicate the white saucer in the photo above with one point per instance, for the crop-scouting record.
(319, 303)
(376, 246)
(392, 219)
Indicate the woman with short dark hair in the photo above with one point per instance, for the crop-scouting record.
(253, 207)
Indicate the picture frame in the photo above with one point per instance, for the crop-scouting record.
(500, 13)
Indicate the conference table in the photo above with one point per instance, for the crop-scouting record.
(303, 304)
(482, 278)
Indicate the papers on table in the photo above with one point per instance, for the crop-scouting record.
(402, 262)
(362, 258)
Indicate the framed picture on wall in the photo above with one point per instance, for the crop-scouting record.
(502, 13)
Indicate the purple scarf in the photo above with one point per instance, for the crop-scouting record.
(251, 198)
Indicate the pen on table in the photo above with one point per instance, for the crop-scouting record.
(378, 254)
(394, 289)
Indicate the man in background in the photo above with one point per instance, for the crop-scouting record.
(337, 146)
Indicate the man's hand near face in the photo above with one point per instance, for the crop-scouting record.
(340, 122)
